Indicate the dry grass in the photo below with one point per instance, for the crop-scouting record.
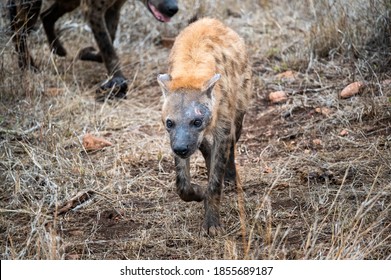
(308, 191)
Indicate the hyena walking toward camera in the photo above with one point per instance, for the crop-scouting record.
(206, 95)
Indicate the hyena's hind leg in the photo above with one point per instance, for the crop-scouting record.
(117, 86)
(231, 172)
(23, 16)
(220, 157)
(112, 17)
(49, 18)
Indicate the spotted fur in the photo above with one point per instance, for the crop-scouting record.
(206, 94)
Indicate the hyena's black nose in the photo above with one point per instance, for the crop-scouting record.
(171, 8)
(181, 151)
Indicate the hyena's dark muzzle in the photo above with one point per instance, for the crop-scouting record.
(183, 142)
(162, 10)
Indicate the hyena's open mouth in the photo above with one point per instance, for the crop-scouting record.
(161, 12)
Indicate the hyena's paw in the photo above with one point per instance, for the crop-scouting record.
(212, 226)
(193, 193)
(58, 49)
(197, 193)
(113, 88)
(90, 54)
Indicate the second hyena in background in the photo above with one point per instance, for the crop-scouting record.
(206, 95)
(103, 17)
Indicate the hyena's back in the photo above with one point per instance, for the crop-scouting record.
(207, 47)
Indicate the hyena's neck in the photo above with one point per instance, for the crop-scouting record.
(193, 56)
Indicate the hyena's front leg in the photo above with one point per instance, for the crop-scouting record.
(186, 190)
(219, 160)
(117, 83)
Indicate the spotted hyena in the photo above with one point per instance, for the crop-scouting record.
(102, 16)
(206, 94)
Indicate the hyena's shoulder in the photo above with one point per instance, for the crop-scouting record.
(204, 48)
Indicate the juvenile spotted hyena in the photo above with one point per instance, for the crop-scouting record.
(102, 16)
(206, 94)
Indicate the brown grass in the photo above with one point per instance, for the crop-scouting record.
(308, 191)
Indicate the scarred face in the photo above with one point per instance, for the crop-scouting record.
(186, 116)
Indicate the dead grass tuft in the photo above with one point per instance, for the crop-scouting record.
(351, 29)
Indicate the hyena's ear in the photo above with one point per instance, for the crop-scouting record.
(163, 80)
(209, 85)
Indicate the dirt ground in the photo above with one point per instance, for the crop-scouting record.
(315, 168)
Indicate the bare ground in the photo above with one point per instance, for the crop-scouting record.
(315, 169)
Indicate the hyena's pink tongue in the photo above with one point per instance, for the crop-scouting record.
(158, 15)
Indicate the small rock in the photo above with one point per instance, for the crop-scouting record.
(317, 142)
(286, 76)
(53, 91)
(352, 89)
(343, 132)
(323, 110)
(93, 143)
(267, 169)
(278, 96)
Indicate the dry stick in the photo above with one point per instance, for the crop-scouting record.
(242, 213)
(21, 211)
(301, 90)
(372, 247)
(75, 202)
(268, 238)
(19, 133)
(52, 229)
(31, 155)
(11, 246)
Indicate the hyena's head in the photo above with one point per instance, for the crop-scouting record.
(162, 10)
(187, 115)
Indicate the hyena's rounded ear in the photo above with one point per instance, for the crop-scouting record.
(210, 84)
(163, 80)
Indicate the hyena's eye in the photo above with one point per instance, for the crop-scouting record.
(197, 122)
(169, 123)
